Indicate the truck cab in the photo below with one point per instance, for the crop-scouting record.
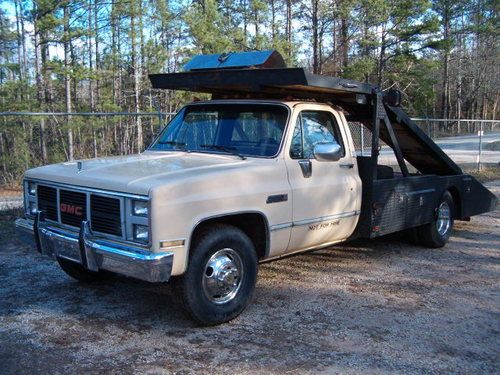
(273, 169)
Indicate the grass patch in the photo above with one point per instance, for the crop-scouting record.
(487, 174)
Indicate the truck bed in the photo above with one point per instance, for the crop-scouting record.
(394, 204)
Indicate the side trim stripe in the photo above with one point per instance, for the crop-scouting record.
(313, 220)
(280, 226)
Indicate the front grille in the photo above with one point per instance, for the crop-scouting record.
(47, 201)
(105, 215)
(73, 207)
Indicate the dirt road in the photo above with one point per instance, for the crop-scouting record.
(375, 306)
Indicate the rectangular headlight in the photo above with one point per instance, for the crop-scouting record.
(32, 208)
(31, 188)
(140, 208)
(141, 233)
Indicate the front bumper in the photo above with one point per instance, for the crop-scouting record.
(96, 254)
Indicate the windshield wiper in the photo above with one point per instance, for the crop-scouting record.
(174, 143)
(228, 149)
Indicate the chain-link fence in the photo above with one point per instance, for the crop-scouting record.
(29, 140)
(470, 143)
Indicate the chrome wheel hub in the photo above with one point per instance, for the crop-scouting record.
(443, 221)
(222, 276)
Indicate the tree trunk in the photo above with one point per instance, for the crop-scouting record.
(315, 39)
(97, 57)
(273, 22)
(344, 29)
(257, 30)
(136, 74)
(22, 40)
(67, 81)
(19, 42)
(90, 58)
(40, 89)
(245, 22)
(366, 50)
(381, 61)
(289, 28)
(445, 93)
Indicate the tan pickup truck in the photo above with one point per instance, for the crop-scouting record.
(226, 184)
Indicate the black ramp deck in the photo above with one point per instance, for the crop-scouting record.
(268, 83)
(286, 83)
(418, 148)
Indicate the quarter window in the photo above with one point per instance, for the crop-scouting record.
(314, 127)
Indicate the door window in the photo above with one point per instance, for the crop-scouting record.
(314, 127)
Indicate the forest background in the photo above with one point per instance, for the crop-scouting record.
(95, 56)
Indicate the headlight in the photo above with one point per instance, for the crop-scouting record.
(31, 188)
(141, 233)
(32, 208)
(140, 208)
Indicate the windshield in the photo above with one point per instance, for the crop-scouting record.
(240, 129)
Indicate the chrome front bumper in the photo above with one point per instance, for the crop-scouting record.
(96, 254)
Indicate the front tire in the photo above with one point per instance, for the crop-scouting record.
(220, 279)
(437, 233)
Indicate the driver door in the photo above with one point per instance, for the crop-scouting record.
(325, 194)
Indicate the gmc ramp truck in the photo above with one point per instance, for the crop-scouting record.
(264, 169)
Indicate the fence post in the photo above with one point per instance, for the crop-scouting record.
(480, 133)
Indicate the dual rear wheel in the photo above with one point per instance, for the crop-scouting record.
(437, 233)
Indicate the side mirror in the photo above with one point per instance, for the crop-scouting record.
(327, 151)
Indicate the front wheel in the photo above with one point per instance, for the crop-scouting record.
(220, 279)
(438, 231)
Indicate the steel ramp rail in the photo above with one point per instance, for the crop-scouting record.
(417, 147)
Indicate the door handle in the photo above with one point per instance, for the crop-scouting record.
(347, 166)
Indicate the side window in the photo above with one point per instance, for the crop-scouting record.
(314, 127)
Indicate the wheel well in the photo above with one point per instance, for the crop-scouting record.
(457, 202)
(253, 224)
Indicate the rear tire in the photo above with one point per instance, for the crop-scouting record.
(437, 233)
(220, 278)
(77, 272)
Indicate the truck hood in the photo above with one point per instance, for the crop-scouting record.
(135, 174)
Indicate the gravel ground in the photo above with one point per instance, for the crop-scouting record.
(9, 203)
(10, 198)
(371, 306)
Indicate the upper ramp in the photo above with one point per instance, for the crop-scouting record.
(263, 75)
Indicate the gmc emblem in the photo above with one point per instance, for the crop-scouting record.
(71, 209)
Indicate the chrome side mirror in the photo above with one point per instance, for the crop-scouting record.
(327, 151)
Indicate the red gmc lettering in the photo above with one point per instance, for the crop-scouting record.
(70, 209)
